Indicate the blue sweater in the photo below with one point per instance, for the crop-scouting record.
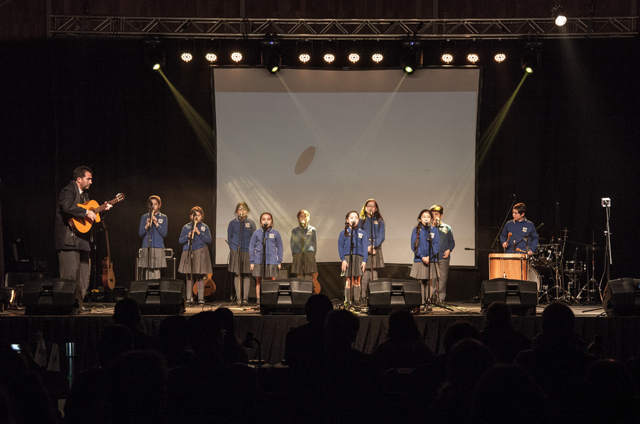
(199, 240)
(446, 239)
(310, 243)
(423, 246)
(519, 230)
(378, 230)
(247, 226)
(157, 233)
(274, 247)
(359, 244)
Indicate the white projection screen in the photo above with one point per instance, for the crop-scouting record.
(407, 141)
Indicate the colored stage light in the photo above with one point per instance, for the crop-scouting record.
(447, 58)
(354, 57)
(236, 56)
(500, 57)
(211, 57)
(186, 56)
(377, 57)
(329, 57)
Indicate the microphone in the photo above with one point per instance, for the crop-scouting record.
(303, 222)
(265, 227)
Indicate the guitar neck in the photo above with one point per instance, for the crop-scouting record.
(104, 205)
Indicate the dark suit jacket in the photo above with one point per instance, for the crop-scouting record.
(67, 208)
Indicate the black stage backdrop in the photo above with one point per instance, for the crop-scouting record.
(570, 138)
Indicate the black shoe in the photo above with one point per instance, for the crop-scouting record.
(189, 302)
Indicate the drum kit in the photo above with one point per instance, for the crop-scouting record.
(558, 278)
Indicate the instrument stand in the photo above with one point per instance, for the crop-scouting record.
(189, 292)
(590, 286)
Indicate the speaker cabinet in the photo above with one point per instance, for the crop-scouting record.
(520, 295)
(49, 297)
(622, 297)
(287, 296)
(387, 295)
(163, 296)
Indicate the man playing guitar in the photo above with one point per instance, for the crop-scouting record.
(72, 245)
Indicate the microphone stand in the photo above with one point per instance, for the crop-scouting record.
(149, 239)
(350, 268)
(240, 240)
(504, 222)
(263, 270)
(435, 265)
(370, 259)
(191, 236)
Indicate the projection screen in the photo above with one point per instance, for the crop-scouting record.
(326, 141)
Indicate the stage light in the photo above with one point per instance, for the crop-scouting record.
(447, 58)
(354, 57)
(273, 63)
(412, 59)
(531, 59)
(271, 57)
(304, 57)
(330, 50)
(377, 57)
(500, 57)
(473, 58)
(236, 56)
(211, 57)
(558, 15)
(154, 54)
(187, 48)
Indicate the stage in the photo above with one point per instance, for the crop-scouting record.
(621, 335)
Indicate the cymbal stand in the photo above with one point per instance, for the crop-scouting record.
(557, 280)
(590, 286)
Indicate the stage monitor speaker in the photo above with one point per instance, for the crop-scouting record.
(163, 296)
(622, 297)
(520, 295)
(49, 297)
(387, 295)
(287, 296)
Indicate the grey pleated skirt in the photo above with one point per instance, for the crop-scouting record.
(420, 271)
(158, 260)
(270, 271)
(304, 263)
(377, 259)
(354, 269)
(201, 262)
(234, 262)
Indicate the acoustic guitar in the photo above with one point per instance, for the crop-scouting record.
(83, 225)
(209, 286)
(108, 277)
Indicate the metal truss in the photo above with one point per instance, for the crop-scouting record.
(354, 29)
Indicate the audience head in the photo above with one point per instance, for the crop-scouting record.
(127, 313)
(226, 321)
(114, 341)
(609, 392)
(402, 325)
(458, 331)
(498, 315)
(205, 334)
(467, 361)
(317, 308)
(507, 394)
(341, 328)
(558, 318)
(173, 333)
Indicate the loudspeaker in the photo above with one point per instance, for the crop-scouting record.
(622, 297)
(287, 296)
(387, 295)
(520, 295)
(163, 296)
(49, 297)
